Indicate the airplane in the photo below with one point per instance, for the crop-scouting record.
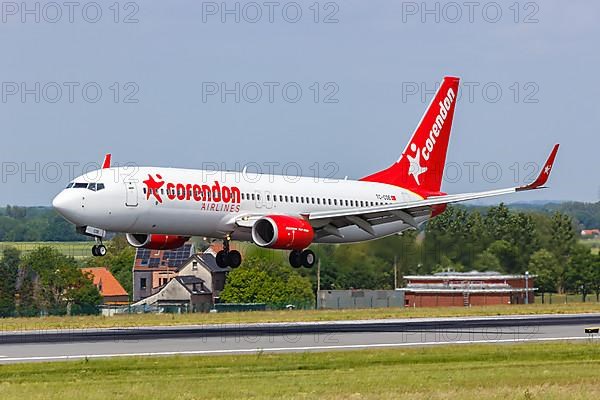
(161, 208)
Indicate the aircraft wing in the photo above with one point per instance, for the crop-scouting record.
(328, 222)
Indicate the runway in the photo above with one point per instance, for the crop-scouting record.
(55, 345)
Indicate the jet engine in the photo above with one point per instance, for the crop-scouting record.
(282, 232)
(155, 242)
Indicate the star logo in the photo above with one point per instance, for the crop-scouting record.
(547, 169)
(415, 169)
(152, 187)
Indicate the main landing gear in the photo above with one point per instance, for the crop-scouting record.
(302, 258)
(99, 250)
(228, 258)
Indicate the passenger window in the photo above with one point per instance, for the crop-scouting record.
(286, 199)
(268, 197)
(318, 201)
(291, 199)
(258, 197)
(252, 196)
(297, 201)
(312, 200)
(335, 202)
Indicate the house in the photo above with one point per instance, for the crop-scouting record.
(177, 279)
(152, 269)
(182, 293)
(204, 266)
(590, 233)
(467, 289)
(109, 287)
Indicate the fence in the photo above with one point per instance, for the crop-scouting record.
(564, 298)
(341, 299)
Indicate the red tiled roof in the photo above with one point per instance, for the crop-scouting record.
(105, 282)
(587, 232)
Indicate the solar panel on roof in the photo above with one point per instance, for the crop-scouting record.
(167, 258)
(154, 262)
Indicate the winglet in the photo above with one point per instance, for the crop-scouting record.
(544, 172)
(106, 163)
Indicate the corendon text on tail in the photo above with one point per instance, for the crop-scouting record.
(160, 208)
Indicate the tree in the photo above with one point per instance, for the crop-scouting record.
(260, 280)
(27, 305)
(487, 261)
(579, 273)
(60, 282)
(562, 237)
(595, 275)
(506, 253)
(85, 298)
(9, 270)
(543, 264)
(118, 260)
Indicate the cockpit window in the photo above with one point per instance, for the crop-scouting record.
(91, 186)
(95, 186)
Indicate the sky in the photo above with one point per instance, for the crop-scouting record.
(327, 88)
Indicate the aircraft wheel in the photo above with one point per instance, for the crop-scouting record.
(221, 259)
(308, 258)
(95, 251)
(101, 250)
(295, 258)
(235, 258)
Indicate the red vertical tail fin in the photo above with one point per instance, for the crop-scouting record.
(420, 168)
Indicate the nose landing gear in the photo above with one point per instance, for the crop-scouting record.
(99, 250)
(228, 258)
(302, 258)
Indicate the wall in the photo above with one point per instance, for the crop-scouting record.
(339, 299)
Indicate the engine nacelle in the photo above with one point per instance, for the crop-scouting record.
(155, 242)
(282, 232)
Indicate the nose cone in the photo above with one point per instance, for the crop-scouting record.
(66, 204)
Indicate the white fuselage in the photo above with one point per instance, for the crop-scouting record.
(182, 205)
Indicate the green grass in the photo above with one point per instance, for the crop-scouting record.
(137, 320)
(522, 371)
(594, 244)
(78, 250)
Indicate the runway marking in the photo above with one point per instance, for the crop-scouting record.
(282, 349)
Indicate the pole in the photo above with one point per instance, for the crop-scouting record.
(395, 274)
(318, 284)
(526, 287)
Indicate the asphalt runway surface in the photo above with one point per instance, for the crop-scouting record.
(77, 344)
